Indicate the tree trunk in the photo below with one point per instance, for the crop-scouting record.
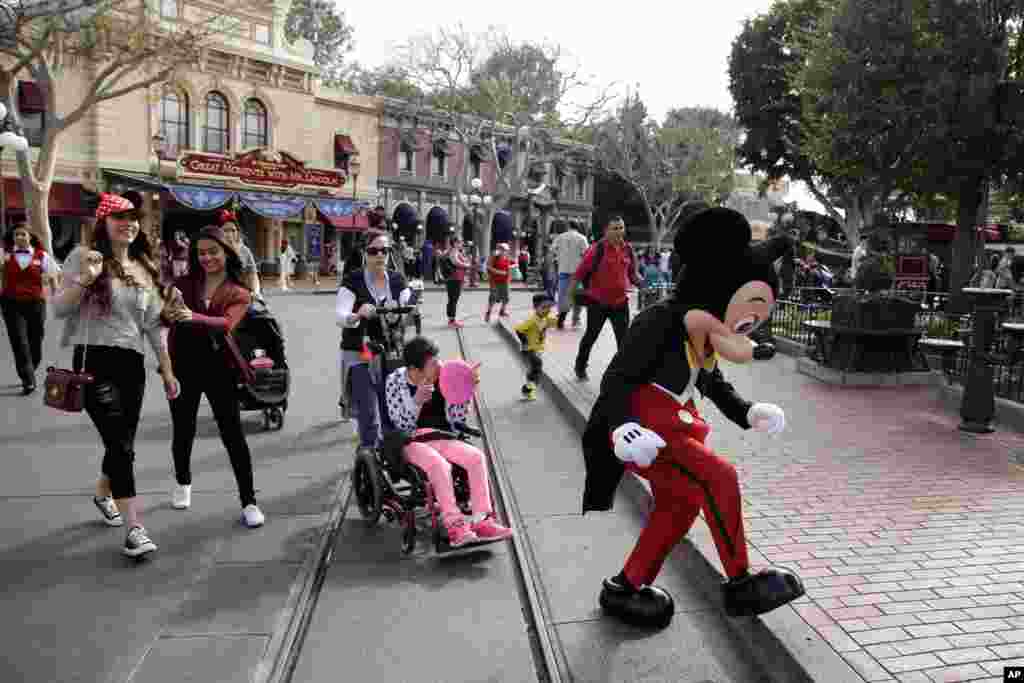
(966, 243)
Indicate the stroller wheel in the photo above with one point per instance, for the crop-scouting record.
(275, 419)
(367, 487)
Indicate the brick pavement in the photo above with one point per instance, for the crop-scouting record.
(904, 529)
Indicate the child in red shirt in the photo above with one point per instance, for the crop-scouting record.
(500, 271)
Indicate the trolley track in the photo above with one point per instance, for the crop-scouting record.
(285, 649)
(549, 657)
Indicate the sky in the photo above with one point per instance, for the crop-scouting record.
(673, 54)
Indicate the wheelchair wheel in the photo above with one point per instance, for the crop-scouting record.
(409, 533)
(275, 419)
(367, 487)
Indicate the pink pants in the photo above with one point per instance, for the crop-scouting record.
(435, 458)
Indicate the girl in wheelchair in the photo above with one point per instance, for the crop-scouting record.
(415, 406)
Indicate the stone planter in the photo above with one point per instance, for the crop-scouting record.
(874, 333)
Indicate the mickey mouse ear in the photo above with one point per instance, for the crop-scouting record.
(717, 230)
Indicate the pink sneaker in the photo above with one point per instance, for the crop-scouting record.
(504, 314)
(459, 533)
(488, 529)
(454, 323)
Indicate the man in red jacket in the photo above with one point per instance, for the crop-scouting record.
(607, 271)
(28, 273)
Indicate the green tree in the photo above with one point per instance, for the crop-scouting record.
(687, 158)
(325, 27)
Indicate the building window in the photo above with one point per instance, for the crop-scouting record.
(174, 122)
(216, 131)
(581, 187)
(254, 125)
(406, 160)
(437, 164)
(32, 106)
(169, 9)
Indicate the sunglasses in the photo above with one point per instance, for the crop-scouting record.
(378, 251)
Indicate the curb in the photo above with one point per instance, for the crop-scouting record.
(785, 646)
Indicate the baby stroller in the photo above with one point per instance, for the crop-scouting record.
(261, 343)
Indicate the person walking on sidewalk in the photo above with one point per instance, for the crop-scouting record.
(607, 271)
(532, 333)
(232, 233)
(206, 361)
(499, 270)
(111, 306)
(569, 248)
(360, 296)
(415, 406)
(286, 264)
(27, 275)
(454, 266)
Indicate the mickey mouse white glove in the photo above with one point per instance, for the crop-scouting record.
(766, 417)
(637, 444)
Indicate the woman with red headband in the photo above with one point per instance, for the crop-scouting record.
(233, 235)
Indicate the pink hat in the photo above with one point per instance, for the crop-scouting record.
(457, 381)
(111, 204)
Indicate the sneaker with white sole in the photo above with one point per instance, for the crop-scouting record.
(181, 496)
(137, 543)
(252, 516)
(108, 508)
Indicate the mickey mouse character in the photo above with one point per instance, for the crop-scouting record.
(646, 420)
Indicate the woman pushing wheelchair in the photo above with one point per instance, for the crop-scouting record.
(415, 406)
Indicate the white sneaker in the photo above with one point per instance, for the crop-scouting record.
(252, 516)
(181, 497)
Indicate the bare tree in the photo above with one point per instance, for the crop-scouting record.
(119, 46)
(507, 103)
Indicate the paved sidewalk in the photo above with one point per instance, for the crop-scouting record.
(905, 530)
(207, 605)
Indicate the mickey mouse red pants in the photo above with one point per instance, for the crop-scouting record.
(686, 478)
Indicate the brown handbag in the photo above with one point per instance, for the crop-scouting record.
(65, 389)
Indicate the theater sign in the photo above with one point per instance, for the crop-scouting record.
(260, 168)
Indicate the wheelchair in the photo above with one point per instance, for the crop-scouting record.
(384, 485)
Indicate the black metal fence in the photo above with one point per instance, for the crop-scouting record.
(808, 304)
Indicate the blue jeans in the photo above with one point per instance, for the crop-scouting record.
(365, 383)
(563, 299)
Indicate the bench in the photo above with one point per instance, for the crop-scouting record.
(947, 348)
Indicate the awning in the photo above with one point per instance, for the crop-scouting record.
(30, 98)
(273, 205)
(66, 199)
(944, 232)
(358, 222)
(201, 197)
(135, 181)
(343, 145)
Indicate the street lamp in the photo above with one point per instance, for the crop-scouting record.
(8, 140)
(476, 198)
(353, 169)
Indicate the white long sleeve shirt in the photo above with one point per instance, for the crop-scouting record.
(346, 299)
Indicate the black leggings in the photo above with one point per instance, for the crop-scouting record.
(216, 382)
(114, 403)
(454, 292)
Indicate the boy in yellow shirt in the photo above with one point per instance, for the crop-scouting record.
(531, 333)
